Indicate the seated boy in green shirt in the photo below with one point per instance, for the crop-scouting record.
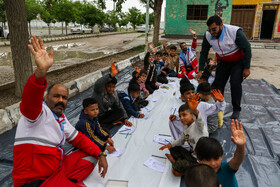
(209, 151)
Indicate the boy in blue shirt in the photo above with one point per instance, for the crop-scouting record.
(209, 151)
(88, 125)
(128, 99)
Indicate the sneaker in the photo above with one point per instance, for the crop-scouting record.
(235, 115)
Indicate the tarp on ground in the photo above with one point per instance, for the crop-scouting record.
(260, 117)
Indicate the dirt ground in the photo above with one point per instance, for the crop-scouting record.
(73, 51)
(264, 65)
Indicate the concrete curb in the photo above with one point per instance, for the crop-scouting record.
(11, 115)
(70, 37)
(14, 113)
(5, 122)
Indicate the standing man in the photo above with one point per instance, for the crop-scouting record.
(233, 52)
(39, 158)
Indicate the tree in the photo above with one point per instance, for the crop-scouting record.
(47, 14)
(135, 16)
(112, 19)
(3, 15)
(156, 6)
(64, 12)
(119, 3)
(123, 19)
(92, 15)
(33, 8)
(16, 14)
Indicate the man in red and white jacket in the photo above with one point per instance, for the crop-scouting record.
(187, 59)
(39, 158)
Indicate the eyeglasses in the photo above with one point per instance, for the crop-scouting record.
(213, 29)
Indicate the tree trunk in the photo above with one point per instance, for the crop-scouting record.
(16, 14)
(66, 24)
(62, 27)
(49, 26)
(157, 12)
(30, 34)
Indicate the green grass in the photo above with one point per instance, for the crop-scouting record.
(143, 35)
(139, 48)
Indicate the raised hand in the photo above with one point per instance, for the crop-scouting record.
(164, 43)
(238, 136)
(151, 46)
(192, 32)
(43, 59)
(114, 70)
(218, 95)
(193, 102)
(137, 70)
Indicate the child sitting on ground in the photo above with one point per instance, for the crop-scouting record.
(194, 129)
(201, 175)
(88, 124)
(150, 67)
(173, 56)
(204, 91)
(210, 152)
(205, 109)
(161, 74)
(111, 111)
(128, 100)
(144, 93)
(167, 64)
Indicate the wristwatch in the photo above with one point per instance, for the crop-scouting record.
(102, 154)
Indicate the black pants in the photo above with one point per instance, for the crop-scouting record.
(107, 119)
(162, 79)
(150, 86)
(234, 70)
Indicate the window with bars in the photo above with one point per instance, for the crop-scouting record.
(197, 12)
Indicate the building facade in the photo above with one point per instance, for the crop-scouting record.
(259, 19)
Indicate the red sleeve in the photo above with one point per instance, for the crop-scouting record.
(194, 44)
(86, 145)
(32, 97)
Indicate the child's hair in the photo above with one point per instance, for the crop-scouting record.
(165, 54)
(204, 88)
(213, 67)
(133, 88)
(158, 53)
(185, 107)
(180, 165)
(134, 73)
(173, 47)
(89, 101)
(186, 87)
(142, 72)
(184, 80)
(208, 148)
(204, 77)
(112, 81)
(208, 61)
(201, 175)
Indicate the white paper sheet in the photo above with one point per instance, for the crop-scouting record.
(117, 153)
(162, 139)
(126, 129)
(155, 165)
